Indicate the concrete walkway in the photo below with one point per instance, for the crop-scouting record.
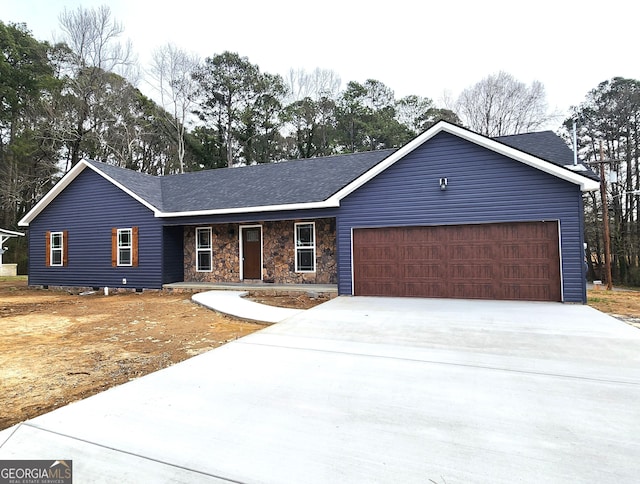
(372, 390)
(234, 304)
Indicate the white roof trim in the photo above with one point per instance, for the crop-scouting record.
(10, 233)
(586, 184)
(329, 203)
(64, 183)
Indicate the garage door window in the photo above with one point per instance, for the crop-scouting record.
(305, 247)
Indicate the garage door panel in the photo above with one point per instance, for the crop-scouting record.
(490, 261)
(472, 270)
(470, 251)
(381, 253)
(532, 250)
(422, 271)
(381, 289)
(420, 253)
(378, 271)
(535, 292)
(419, 289)
(470, 290)
(534, 272)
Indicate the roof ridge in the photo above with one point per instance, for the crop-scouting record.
(525, 134)
(281, 162)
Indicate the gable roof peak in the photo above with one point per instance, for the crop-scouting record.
(320, 182)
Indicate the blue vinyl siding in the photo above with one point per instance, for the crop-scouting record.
(483, 187)
(173, 257)
(88, 209)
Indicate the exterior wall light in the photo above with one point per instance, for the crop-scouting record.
(443, 183)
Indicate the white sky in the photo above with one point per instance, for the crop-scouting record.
(424, 48)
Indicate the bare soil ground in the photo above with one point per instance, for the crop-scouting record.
(621, 304)
(57, 347)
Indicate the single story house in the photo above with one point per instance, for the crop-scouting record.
(451, 214)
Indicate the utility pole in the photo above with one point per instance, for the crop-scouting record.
(605, 222)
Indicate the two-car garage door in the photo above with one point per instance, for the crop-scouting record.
(487, 261)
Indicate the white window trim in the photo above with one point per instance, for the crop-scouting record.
(205, 249)
(306, 247)
(120, 247)
(56, 249)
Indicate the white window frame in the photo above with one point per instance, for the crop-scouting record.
(121, 247)
(300, 247)
(200, 250)
(53, 249)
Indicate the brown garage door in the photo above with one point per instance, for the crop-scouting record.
(488, 261)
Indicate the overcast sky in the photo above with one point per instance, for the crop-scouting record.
(425, 48)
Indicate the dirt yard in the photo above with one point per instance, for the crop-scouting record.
(57, 347)
(621, 304)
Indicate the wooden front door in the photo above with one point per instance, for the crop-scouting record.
(251, 253)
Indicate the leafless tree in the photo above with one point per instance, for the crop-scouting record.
(95, 55)
(500, 105)
(92, 35)
(171, 70)
(315, 85)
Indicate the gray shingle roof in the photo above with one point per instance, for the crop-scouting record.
(289, 182)
(548, 146)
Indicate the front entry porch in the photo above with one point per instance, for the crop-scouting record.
(330, 290)
(286, 252)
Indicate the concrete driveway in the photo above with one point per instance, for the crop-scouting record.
(372, 390)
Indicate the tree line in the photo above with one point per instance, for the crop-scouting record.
(79, 98)
(607, 125)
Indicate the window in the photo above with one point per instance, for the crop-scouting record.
(204, 252)
(57, 248)
(124, 247)
(305, 247)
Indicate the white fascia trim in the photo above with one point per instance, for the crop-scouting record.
(53, 193)
(64, 183)
(329, 203)
(124, 189)
(586, 184)
(10, 233)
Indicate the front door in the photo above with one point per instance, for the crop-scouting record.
(251, 252)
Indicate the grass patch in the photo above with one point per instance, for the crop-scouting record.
(13, 278)
(624, 303)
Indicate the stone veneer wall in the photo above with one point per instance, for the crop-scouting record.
(278, 254)
(225, 263)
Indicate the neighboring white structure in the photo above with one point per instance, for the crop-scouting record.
(7, 269)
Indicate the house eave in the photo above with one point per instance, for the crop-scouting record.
(331, 202)
(586, 184)
(11, 233)
(65, 181)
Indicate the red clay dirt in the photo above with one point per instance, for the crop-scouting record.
(57, 347)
